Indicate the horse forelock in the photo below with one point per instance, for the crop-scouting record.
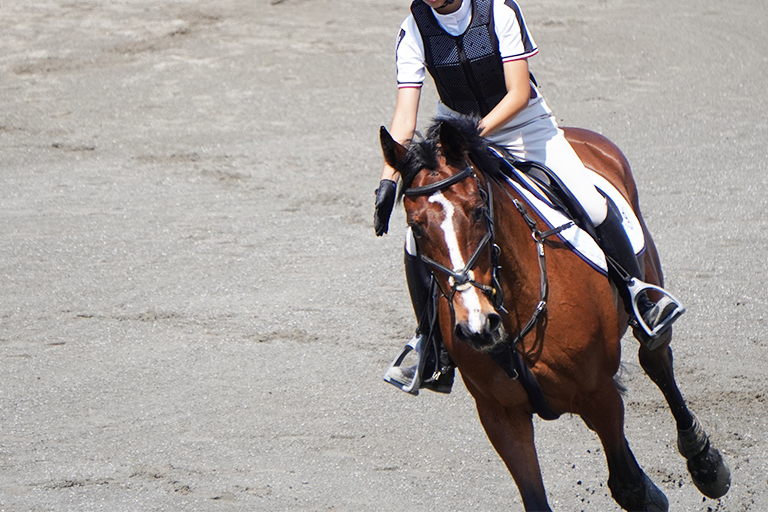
(424, 152)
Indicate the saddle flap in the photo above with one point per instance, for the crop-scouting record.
(554, 213)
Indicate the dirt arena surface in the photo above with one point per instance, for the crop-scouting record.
(195, 313)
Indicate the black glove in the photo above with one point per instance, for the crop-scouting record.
(385, 200)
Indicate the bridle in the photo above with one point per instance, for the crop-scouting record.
(463, 279)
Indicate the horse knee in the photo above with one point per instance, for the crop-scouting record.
(657, 364)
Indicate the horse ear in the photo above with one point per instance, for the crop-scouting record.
(453, 142)
(394, 152)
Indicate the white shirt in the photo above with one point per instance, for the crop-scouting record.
(509, 26)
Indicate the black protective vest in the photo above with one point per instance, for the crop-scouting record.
(467, 69)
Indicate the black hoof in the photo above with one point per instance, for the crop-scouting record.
(645, 497)
(709, 473)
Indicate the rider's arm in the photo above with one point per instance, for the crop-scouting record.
(518, 93)
(403, 123)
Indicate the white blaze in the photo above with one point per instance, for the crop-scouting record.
(470, 296)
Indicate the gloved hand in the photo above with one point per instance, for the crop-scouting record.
(385, 200)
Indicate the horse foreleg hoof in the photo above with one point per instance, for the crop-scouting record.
(708, 471)
(645, 497)
(655, 501)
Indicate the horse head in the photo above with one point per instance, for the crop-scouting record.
(448, 210)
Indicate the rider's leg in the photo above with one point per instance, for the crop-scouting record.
(542, 141)
(418, 279)
(614, 242)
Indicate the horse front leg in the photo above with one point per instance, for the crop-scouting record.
(511, 433)
(603, 412)
(705, 464)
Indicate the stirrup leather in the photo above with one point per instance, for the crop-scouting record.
(636, 287)
(399, 378)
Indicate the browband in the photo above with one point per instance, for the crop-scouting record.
(428, 190)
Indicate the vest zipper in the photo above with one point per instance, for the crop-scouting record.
(471, 80)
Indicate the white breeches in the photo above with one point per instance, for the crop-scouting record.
(535, 136)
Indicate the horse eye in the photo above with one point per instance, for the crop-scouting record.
(478, 213)
(417, 229)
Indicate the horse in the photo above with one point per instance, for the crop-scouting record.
(486, 254)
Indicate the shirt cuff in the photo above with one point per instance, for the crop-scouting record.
(520, 57)
(409, 85)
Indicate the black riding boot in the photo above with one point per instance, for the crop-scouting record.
(614, 242)
(434, 369)
(419, 280)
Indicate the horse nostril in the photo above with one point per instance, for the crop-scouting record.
(493, 323)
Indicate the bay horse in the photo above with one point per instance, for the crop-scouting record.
(573, 347)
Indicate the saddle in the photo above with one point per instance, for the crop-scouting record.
(544, 193)
(548, 183)
(554, 203)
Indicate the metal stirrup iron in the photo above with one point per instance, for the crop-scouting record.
(636, 287)
(395, 374)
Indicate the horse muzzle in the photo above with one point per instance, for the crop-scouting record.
(482, 332)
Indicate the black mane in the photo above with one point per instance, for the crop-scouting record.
(423, 151)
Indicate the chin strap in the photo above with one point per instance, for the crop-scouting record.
(446, 4)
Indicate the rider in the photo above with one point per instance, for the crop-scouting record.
(477, 53)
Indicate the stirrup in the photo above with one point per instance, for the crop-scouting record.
(637, 287)
(408, 379)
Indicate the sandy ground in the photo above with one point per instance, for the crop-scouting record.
(195, 313)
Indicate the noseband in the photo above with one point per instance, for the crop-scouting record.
(462, 279)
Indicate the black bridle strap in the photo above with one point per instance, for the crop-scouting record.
(464, 276)
(539, 237)
(428, 190)
(461, 277)
(513, 365)
(506, 354)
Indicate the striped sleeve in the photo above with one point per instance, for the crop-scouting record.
(411, 67)
(515, 41)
